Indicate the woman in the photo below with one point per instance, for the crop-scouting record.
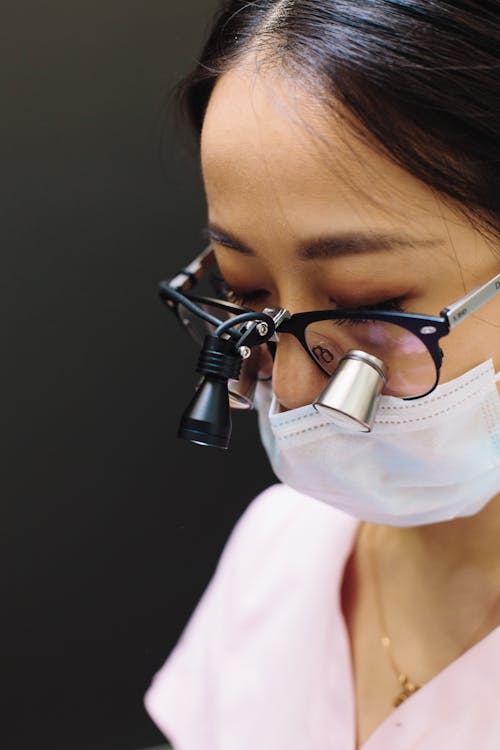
(350, 154)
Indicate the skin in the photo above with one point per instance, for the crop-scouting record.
(280, 171)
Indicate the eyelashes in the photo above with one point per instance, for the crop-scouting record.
(224, 291)
(244, 300)
(251, 299)
(388, 305)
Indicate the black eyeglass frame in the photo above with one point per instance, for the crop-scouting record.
(429, 329)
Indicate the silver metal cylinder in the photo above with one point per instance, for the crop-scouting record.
(242, 392)
(352, 394)
(256, 367)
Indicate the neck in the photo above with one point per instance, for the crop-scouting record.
(472, 540)
(439, 583)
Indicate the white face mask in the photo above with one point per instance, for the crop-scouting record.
(427, 460)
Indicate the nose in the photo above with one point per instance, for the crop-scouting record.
(297, 381)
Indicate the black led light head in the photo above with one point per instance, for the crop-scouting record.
(207, 419)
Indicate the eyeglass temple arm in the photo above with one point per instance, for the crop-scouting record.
(465, 306)
(192, 273)
(173, 291)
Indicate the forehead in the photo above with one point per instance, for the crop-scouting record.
(268, 141)
(255, 116)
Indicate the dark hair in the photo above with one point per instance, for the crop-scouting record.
(421, 77)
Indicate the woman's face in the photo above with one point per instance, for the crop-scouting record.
(305, 216)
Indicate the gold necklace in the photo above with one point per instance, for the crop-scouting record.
(408, 686)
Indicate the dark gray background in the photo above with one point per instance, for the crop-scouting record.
(110, 526)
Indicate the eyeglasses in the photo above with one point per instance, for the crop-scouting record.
(407, 343)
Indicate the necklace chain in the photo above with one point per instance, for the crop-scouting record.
(408, 686)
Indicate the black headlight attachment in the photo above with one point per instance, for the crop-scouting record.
(207, 419)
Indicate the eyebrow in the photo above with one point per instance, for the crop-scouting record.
(344, 243)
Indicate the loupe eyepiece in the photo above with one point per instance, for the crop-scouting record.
(352, 394)
(207, 419)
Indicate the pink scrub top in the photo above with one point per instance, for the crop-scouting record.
(264, 662)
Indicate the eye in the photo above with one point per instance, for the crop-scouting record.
(256, 298)
(249, 299)
(242, 299)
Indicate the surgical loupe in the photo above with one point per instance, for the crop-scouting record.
(362, 352)
(353, 392)
(350, 397)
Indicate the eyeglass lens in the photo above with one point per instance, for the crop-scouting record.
(196, 326)
(411, 370)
